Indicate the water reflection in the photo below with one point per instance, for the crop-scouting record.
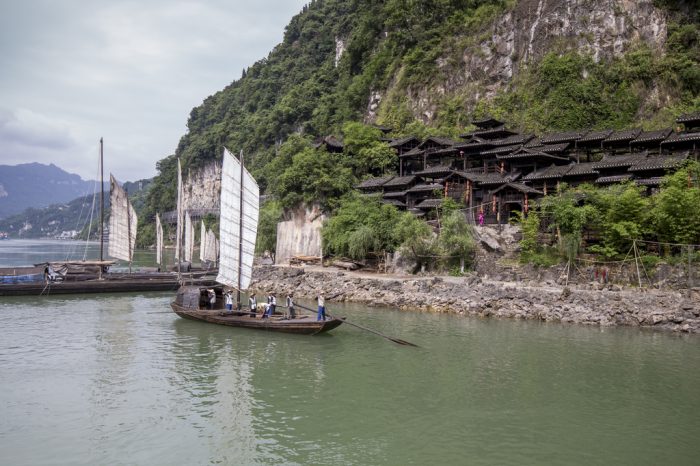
(121, 380)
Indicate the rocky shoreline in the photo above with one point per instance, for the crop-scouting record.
(677, 311)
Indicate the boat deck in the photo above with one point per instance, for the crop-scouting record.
(305, 325)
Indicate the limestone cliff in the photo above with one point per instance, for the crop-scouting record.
(526, 32)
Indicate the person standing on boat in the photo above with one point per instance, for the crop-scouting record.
(272, 304)
(253, 303)
(229, 301)
(212, 298)
(290, 306)
(321, 308)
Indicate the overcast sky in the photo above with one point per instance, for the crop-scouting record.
(72, 71)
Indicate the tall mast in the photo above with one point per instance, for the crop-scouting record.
(102, 204)
(179, 227)
(240, 240)
(128, 228)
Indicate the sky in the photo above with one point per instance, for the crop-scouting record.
(72, 71)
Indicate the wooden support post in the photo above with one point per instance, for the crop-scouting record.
(636, 261)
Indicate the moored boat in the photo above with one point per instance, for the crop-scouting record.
(238, 224)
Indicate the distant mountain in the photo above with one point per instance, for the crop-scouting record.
(71, 219)
(37, 185)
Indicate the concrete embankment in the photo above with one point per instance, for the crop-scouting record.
(677, 311)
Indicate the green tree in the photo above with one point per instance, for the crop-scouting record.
(361, 227)
(457, 239)
(417, 240)
(675, 213)
(314, 176)
(270, 216)
(624, 217)
(568, 218)
(367, 154)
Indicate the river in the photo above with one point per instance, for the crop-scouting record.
(117, 379)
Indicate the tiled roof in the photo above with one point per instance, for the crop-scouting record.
(394, 202)
(497, 178)
(429, 203)
(501, 150)
(492, 133)
(551, 172)
(659, 162)
(516, 139)
(413, 152)
(613, 179)
(416, 212)
(581, 169)
(445, 142)
(518, 187)
(437, 171)
(536, 142)
(612, 161)
(394, 194)
(622, 136)
(556, 138)
(676, 138)
(474, 142)
(425, 187)
(595, 136)
(399, 181)
(401, 141)
(689, 117)
(374, 182)
(653, 181)
(554, 148)
(651, 136)
(329, 141)
(487, 122)
(524, 153)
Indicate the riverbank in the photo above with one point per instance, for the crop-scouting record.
(677, 311)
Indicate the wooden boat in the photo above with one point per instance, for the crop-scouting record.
(190, 303)
(238, 221)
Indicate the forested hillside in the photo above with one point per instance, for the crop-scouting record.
(421, 66)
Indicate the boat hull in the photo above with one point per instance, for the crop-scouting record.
(123, 284)
(303, 325)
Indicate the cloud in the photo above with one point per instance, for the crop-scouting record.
(24, 130)
(74, 71)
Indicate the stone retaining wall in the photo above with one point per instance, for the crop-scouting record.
(677, 311)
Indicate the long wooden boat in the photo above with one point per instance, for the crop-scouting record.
(190, 303)
(110, 283)
(237, 234)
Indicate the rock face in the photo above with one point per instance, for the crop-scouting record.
(202, 188)
(612, 305)
(603, 28)
(300, 234)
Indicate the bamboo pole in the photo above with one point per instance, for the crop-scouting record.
(636, 261)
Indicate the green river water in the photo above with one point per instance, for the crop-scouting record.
(115, 379)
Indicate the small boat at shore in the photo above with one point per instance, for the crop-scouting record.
(238, 226)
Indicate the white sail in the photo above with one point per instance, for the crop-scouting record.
(236, 270)
(159, 240)
(178, 233)
(212, 247)
(202, 241)
(122, 223)
(189, 237)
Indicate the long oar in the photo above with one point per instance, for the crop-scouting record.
(395, 340)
